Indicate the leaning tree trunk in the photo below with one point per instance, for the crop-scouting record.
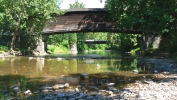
(143, 45)
(142, 42)
(12, 45)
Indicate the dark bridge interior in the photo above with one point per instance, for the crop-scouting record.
(84, 20)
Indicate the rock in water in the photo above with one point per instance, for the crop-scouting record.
(135, 71)
(110, 84)
(55, 87)
(84, 76)
(155, 71)
(27, 92)
(76, 89)
(58, 86)
(67, 85)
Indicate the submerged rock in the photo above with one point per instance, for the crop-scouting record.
(76, 89)
(110, 84)
(67, 85)
(27, 92)
(135, 71)
(60, 95)
(58, 86)
(84, 76)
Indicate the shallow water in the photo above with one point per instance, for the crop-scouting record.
(102, 67)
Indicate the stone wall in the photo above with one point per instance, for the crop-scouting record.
(156, 42)
(40, 49)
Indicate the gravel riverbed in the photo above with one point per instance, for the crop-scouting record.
(164, 84)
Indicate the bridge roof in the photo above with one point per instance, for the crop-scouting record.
(85, 9)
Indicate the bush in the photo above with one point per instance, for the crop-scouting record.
(3, 48)
(51, 48)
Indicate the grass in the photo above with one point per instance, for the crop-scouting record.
(3, 48)
(135, 50)
(51, 49)
(56, 49)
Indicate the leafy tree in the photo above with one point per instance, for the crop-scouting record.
(26, 15)
(149, 17)
(124, 42)
(77, 4)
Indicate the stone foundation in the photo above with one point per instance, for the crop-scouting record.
(74, 49)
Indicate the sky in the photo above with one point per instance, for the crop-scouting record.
(88, 3)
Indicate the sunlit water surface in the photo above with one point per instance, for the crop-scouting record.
(32, 72)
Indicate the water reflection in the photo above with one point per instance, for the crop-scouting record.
(89, 61)
(31, 70)
(40, 64)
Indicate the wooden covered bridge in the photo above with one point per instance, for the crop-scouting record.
(85, 20)
(88, 20)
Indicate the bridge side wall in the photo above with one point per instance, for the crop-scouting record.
(81, 22)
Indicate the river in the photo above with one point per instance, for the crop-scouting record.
(31, 72)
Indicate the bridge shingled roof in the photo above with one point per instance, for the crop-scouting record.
(85, 9)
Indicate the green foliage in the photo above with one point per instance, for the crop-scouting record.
(65, 44)
(3, 48)
(92, 36)
(82, 46)
(153, 16)
(57, 49)
(172, 44)
(51, 48)
(26, 15)
(57, 39)
(72, 39)
(33, 13)
(120, 41)
(77, 4)
(135, 50)
(146, 16)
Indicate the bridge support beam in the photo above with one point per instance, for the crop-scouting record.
(41, 47)
(74, 49)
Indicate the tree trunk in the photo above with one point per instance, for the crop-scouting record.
(15, 34)
(44, 39)
(142, 42)
(143, 45)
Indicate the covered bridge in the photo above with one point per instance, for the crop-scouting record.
(84, 20)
